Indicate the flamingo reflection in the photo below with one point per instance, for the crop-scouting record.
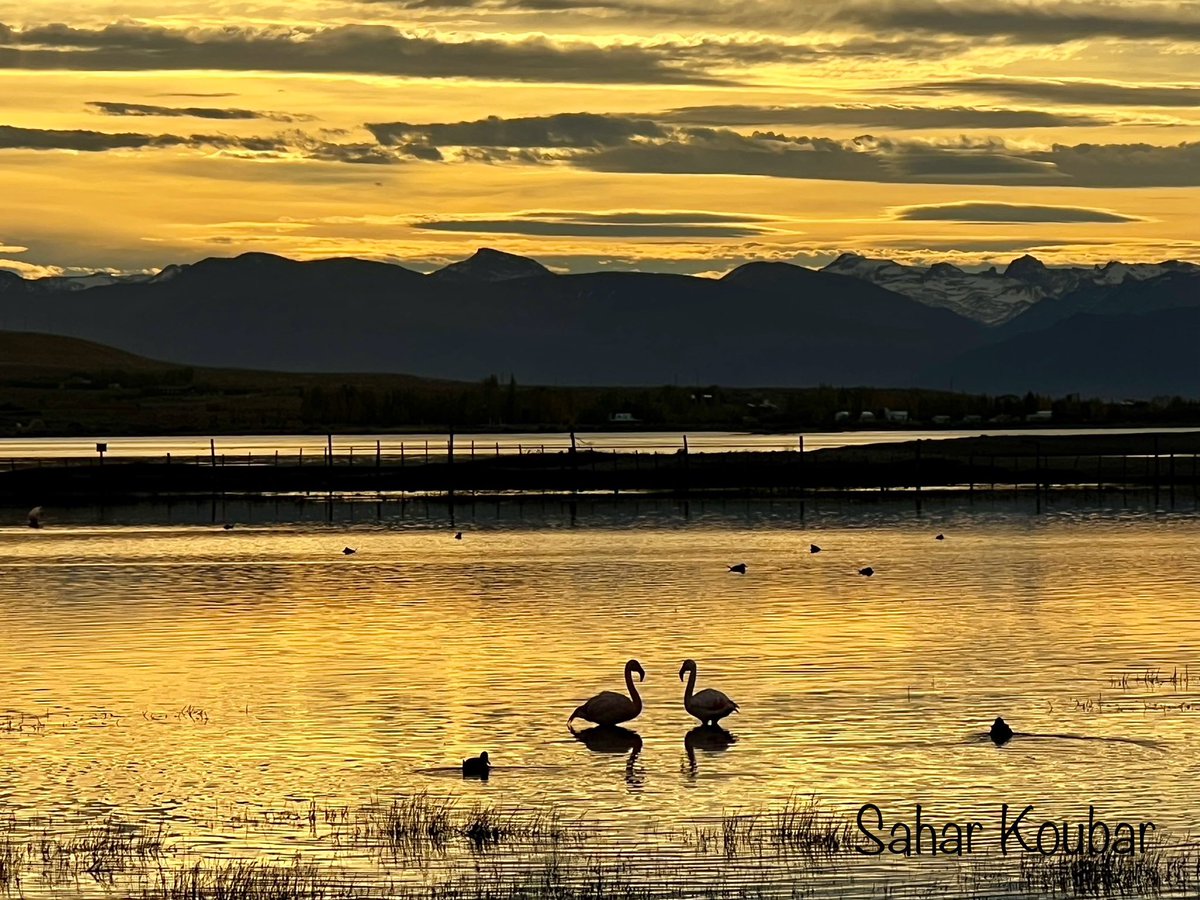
(710, 739)
(614, 739)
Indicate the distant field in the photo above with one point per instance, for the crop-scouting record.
(31, 355)
(52, 385)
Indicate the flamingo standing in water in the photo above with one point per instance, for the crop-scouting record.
(709, 706)
(611, 708)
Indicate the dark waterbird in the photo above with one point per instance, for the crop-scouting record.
(228, 526)
(347, 551)
(1000, 734)
(867, 570)
(476, 766)
(35, 517)
(940, 537)
(813, 548)
(458, 535)
(740, 568)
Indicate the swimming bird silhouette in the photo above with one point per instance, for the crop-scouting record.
(35, 517)
(940, 537)
(1000, 734)
(476, 766)
(348, 550)
(740, 568)
(709, 706)
(866, 570)
(228, 526)
(611, 708)
(458, 535)
(813, 548)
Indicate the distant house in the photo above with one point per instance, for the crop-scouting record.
(972, 419)
(841, 416)
(867, 416)
(940, 420)
(1042, 415)
(896, 416)
(621, 418)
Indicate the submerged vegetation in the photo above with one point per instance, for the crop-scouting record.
(798, 849)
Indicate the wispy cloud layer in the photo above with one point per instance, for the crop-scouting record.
(115, 108)
(1009, 212)
(625, 225)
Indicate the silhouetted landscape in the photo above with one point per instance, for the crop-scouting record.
(1113, 332)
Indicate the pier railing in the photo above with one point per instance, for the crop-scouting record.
(1161, 462)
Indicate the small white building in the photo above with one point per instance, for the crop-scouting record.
(896, 416)
(622, 418)
(866, 416)
(841, 416)
(1042, 415)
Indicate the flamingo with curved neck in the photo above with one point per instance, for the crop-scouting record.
(611, 708)
(710, 706)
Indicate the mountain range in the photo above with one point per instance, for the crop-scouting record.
(1116, 330)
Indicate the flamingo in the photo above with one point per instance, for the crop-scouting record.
(709, 706)
(476, 766)
(611, 708)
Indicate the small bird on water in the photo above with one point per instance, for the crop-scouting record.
(740, 568)
(867, 570)
(940, 537)
(476, 766)
(458, 535)
(228, 526)
(813, 548)
(348, 550)
(1000, 734)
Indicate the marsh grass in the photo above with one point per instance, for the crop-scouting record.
(251, 880)
(1152, 873)
(802, 825)
(103, 851)
(1151, 678)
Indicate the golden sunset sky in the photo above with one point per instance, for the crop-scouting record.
(674, 135)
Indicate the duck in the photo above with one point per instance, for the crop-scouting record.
(347, 551)
(1000, 733)
(740, 568)
(813, 548)
(476, 766)
(866, 570)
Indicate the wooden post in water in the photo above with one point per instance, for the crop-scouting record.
(574, 465)
(212, 451)
(1156, 471)
(450, 470)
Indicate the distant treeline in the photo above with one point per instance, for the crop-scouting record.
(182, 400)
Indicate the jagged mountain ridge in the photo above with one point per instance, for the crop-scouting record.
(992, 296)
(262, 311)
(761, 324)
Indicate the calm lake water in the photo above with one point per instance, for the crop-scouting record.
(194, 678)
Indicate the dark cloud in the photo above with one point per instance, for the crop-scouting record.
(1033, 23)
(1009, 212)
(1096, 93)
(613, 143)
(575, 130)
(83, 141)
(900, 117)
(358, 49)
(609, 225)
(113, 108)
